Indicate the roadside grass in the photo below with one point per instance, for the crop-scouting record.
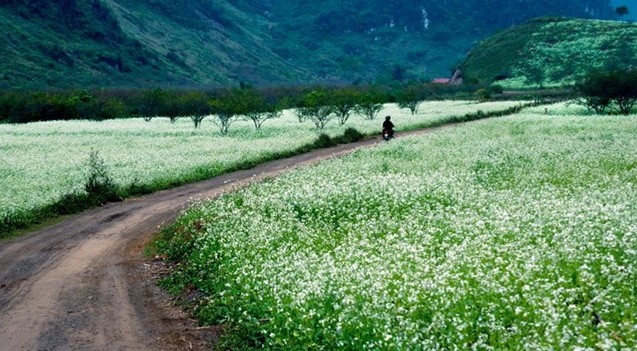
(508, 234)
(141, 157)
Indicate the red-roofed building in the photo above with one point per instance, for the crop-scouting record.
(441, 81)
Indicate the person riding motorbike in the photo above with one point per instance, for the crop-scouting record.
(388, 128)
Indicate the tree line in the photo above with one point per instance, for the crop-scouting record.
(601, 91)
(320, 105)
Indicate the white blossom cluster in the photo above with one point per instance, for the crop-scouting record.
(509, 234)
(40, 162)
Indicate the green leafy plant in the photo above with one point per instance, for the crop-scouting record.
(99, 184)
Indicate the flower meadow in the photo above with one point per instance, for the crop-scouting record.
(41, 162)
(517, 233)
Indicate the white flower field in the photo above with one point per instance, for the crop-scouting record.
(41, 162)
(517, 233)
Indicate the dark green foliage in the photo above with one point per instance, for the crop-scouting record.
(232, 105)
(323, 141)
(350, 135)
(495, 89)
(595, 96)
(411, 97)
(316, 106)
(249, 103)
(196, 105)
(622, 10)
(344, 102)
(151, 104)
(370, 103)
(487, 93)
(609, 89)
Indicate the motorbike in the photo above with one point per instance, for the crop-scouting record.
(387, 134)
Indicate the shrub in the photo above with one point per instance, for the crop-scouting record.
(350, 135)
(99, 184)
(483, 94)
(323, 141)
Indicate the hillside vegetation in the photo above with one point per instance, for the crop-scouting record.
(132, 43)
(552, 51)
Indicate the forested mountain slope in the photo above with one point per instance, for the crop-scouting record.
(127, 43)
(134, 43)
(552, 51)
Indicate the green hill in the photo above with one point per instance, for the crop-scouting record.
(133, 43)
(552, 52)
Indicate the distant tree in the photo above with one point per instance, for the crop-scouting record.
(606, 89)
(483, 94)
(593, 91)
(274, 106)
(411, 97)
(370, 104)
(316, 106)
(151, 104)
(300, 114)
(172, 108)
(622, 11)
(229, 108)
(624, 91)
(344, 102)
(256, 107)
(197, 106)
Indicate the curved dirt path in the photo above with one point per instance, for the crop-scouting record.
(83, 284)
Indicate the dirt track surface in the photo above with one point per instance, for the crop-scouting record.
(83, 284)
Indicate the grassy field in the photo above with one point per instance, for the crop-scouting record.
(41, 162)
(508, 234)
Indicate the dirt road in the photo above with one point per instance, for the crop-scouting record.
(83, 284)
